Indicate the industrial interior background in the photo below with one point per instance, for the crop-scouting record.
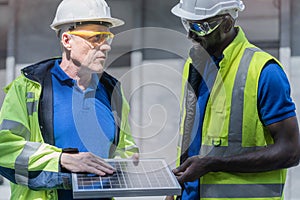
(147, 56)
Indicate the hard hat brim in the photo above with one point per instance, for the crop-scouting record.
(113, 21)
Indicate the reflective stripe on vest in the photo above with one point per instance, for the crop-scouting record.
(31, 103)
(16, 128)
(236, 114)
(234, 147)
(21, 164)
(249, 190)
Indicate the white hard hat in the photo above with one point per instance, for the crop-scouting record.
(73, 11)
(203, 9)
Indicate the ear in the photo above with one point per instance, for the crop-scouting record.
(66, 40)
(228, 24)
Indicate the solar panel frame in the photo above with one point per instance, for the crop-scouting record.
(164, 186)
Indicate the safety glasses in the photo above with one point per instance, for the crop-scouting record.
(95, 38)
(202, 28)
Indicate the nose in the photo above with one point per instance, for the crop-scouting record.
(105, 47)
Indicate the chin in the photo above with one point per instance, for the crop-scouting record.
(98, 68)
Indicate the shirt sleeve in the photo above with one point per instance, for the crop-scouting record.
(274, 95)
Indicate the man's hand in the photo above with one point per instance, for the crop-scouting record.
(192, 169)
(135, 158)
(85, 162)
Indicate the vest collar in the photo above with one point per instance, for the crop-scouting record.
(234, 48)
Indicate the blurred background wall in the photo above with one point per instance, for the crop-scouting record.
(148, 55)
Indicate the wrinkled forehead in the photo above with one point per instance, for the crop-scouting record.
(92, 27)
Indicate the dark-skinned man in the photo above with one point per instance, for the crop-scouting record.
(239, 127)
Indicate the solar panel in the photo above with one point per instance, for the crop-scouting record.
(150, 177)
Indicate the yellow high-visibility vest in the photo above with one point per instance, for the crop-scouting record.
(232, 126)
(23, 150)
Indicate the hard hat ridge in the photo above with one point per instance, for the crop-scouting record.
(202, 9)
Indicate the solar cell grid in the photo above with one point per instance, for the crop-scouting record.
(150, 177)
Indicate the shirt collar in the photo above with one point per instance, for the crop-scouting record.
(217, 60)
(63, 77)
(60, 74)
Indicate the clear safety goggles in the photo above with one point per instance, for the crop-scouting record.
(94, 38)
(202, 28)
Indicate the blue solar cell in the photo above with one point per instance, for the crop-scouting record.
(150, 177)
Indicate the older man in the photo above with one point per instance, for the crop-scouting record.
(65, 114)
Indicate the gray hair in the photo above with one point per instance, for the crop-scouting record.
(64, 28)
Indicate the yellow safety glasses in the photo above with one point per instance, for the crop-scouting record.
(95, 38)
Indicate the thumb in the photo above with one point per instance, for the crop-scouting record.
(182, 167)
